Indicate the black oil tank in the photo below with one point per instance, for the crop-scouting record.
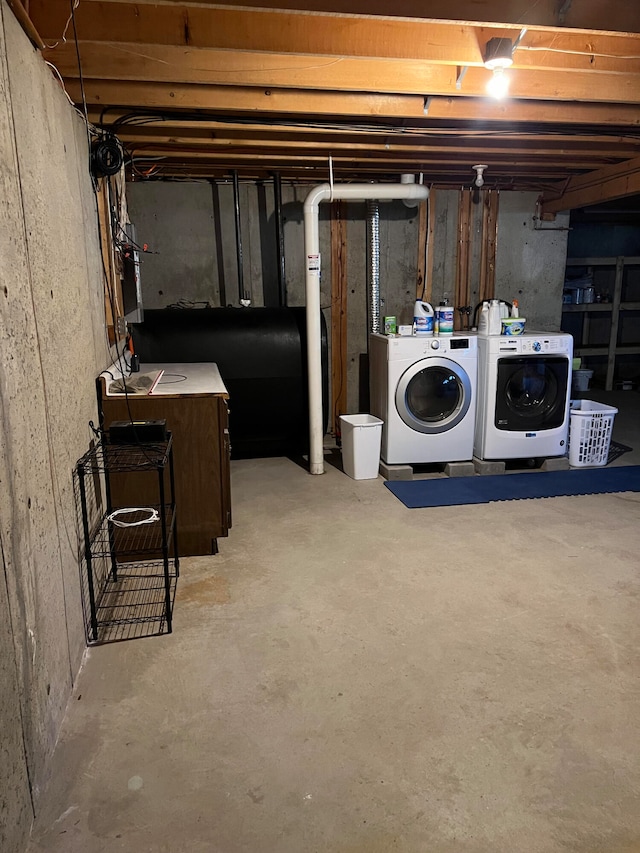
(262, 358)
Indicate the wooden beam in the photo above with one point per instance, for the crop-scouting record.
(579, 152)
(338, 313)
(586, 15)
(245, 99)
(171, 64)
(26, 23)
(605, 184)
(502, 170)
(540, 112)
(266, 30)
(443, 138)
(545, 15)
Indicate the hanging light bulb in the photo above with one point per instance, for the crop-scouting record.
(498, 56)
(479, 170)
(498, 85)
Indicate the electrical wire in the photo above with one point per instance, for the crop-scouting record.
(74, 5)
(63, 38)
(120, 359)
(152, 517)
(578, 52)
(91, 127)
(142, 118)
(180, 378)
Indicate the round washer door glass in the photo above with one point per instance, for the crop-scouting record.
(531, 393)
(433, 396)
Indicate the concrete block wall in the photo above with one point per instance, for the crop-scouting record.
(53, 345)
(530, 260)
(191, 225)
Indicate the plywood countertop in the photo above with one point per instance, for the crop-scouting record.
(175, 379)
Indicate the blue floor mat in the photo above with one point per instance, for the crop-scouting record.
(454, 491)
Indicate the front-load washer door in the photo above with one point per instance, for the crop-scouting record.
(531, 393)
(433, 395)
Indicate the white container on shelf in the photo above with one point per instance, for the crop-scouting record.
(361, 441)
(580, 380)
(590, 428)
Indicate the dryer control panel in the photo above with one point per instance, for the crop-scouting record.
(536, 343)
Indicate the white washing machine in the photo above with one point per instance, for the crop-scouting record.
(424, 389)
(524, 384)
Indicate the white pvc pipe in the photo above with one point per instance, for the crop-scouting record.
(327, 192)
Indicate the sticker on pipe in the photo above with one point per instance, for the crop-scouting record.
(313, 264)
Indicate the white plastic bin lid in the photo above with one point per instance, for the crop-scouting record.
(361, 420)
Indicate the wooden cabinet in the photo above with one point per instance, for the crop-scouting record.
(198, 418)
(620, 280)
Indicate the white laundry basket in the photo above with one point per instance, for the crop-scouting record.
(590, 431)
(361, 440)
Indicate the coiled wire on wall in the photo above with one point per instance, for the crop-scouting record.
(107, 156)
(373, 264)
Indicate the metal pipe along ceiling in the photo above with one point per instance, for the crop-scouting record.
(328, 192)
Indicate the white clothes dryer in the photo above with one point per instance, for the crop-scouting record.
(424, 389)
(524, 385)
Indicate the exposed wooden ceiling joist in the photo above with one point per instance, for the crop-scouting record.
(584, 15)
(296, 86)
(608, 183)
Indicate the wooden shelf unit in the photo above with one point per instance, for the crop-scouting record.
(615, 308)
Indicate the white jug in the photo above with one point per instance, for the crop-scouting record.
(423, 316)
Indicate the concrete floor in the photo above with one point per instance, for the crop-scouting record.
(350, 676)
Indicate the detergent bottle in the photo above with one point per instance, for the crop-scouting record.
(444, 318)
(495, 318)
(423, 318)
(514, 308)
(483, 320)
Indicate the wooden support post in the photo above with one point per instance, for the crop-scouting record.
(462, 266)
(486, 288)
(426, 227)
(22, 14)
(492, 242)
(338, 313)
(112, 285)
(615, 316)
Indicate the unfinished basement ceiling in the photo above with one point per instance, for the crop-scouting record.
(198, 90)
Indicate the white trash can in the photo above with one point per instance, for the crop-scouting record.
(580, 380)
(361, 440)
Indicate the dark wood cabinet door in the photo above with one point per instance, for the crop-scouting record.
(199, 425)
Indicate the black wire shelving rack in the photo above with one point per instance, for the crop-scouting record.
(128, 573)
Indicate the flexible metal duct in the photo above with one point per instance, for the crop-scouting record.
(373, 264)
